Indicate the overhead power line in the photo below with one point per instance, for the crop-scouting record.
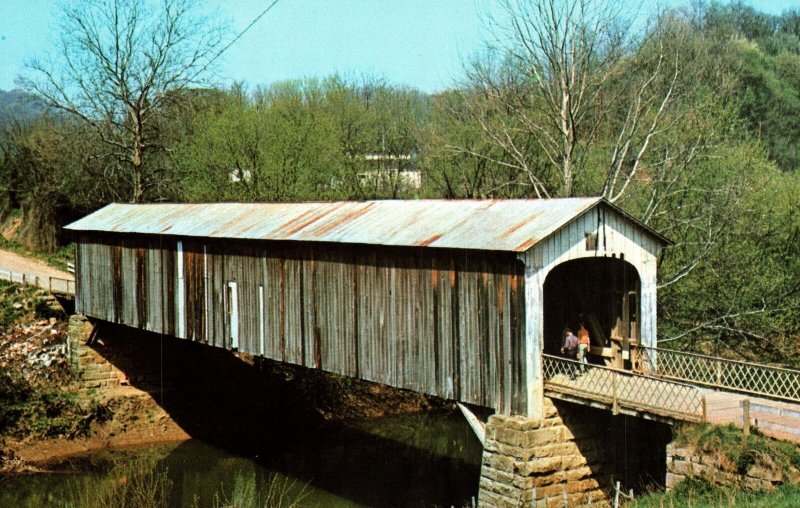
(239, 36)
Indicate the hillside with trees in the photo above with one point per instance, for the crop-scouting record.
(691, 124)
(18, 106)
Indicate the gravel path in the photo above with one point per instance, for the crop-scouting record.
(10, 261)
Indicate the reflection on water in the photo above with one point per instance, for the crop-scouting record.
(410, 460)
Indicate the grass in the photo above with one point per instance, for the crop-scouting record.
(138, 484)
(737, 454)
(728, 442)
(694, 493)
(277, 493)
(14, 303)
(144, 484)
(24, 304)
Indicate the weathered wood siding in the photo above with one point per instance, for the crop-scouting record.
(444, 322)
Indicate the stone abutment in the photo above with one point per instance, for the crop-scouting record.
(570, 457)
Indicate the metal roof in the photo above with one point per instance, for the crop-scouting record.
(498, 225)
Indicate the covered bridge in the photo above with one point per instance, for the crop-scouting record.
(453, 298)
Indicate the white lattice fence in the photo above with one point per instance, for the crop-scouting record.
(623, 389)
(751, 378)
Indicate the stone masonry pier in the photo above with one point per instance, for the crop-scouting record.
(572, 456)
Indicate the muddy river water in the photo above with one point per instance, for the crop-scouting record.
(430, 459)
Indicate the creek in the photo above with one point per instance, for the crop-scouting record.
(427, 459)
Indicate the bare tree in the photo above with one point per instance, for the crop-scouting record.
(559, 75)
(118, 66)
(568, 100)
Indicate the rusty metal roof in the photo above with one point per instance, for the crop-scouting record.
(498, 225)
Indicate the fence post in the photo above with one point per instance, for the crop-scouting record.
(614, 401)
(616, 495)
(705, 408)
(746, 417)
(719, 374)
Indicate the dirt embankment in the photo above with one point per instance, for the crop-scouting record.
(44, 415)
(181, 390)
(134, 419)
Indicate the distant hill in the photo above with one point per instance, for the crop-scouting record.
(20, 105)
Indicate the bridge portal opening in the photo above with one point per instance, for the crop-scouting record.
(600, 293)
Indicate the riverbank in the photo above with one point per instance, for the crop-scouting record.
(178, 390)
(134, 419)
(421, 459)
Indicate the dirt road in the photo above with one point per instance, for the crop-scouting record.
(10, 261)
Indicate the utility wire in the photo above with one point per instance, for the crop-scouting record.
(239, 36)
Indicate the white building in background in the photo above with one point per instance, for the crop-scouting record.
(390, 170)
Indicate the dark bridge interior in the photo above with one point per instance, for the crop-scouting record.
(600, 293)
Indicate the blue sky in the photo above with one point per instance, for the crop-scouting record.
(419, 43)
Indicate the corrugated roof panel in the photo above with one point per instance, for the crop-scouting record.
(499, 225)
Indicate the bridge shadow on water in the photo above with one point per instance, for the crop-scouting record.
(280, 418)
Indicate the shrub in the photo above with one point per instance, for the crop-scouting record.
(44, 411)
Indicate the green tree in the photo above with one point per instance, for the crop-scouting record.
(118, 65)
(745, 297)
(763, 53)
(459, 162)
(303, 140)
(44, 166)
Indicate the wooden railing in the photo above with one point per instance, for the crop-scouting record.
(623, 390)
(51, 284)
(734, 375)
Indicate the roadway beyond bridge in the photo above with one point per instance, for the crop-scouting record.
(32, 272)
